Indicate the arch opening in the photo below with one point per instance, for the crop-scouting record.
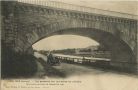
(121, 53)
(57, 42)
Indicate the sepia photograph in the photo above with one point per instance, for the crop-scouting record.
(69, 45)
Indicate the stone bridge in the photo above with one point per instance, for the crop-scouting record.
(24, 24)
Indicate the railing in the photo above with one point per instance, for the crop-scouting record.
(63, 5)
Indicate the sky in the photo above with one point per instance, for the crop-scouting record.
(72, 41)
(63, 42)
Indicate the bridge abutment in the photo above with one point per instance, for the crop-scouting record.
(124, 66)
(123, 58)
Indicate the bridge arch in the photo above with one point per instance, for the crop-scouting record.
(121, 53)
(72, 25)
(107, 35)
(45, 30)
(119, 49)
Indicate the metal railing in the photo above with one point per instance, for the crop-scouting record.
(66, 6)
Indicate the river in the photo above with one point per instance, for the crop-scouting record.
(95, 79)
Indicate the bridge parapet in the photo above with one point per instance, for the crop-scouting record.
(62, 5)
(55, 12)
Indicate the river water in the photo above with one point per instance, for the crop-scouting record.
(94, 79)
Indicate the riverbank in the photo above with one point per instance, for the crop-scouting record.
(46, 70)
